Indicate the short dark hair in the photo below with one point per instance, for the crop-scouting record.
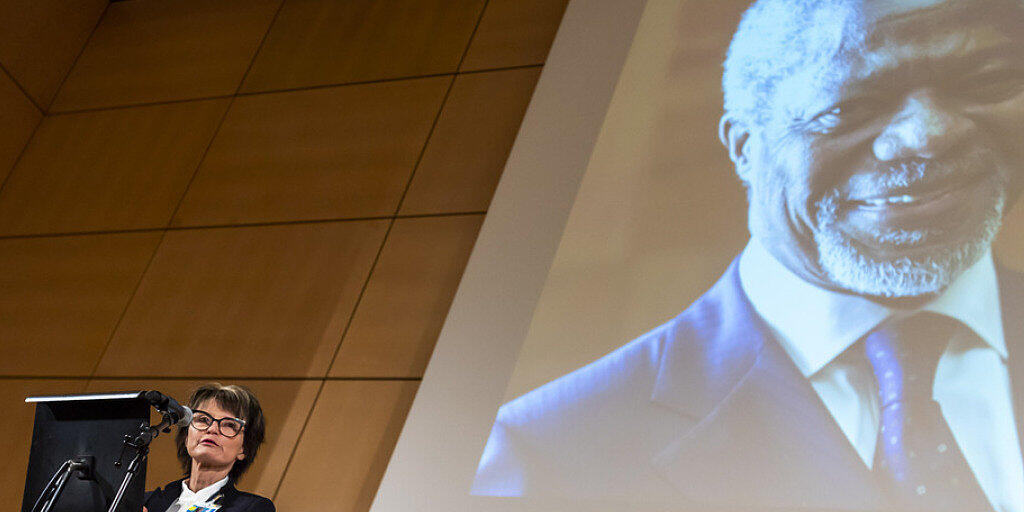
(237, 400)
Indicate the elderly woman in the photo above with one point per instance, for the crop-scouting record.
(215, 449)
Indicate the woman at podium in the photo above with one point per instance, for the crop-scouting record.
(216, 448)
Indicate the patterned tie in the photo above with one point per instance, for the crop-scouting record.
(916, 456)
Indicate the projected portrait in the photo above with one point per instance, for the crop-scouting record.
(862, 351)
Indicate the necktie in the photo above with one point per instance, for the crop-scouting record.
(916, 457)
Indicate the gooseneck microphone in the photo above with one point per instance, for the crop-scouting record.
(174, 413)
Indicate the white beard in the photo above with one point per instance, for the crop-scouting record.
(848, 267)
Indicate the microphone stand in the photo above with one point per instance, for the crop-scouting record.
(48, 498)
(140, 443)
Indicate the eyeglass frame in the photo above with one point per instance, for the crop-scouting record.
(220, 430)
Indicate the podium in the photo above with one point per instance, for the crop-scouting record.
(87, 434)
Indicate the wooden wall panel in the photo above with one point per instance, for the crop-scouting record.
(407, 298)
(40, 39)
(16, 430)
(346, 446)
(330, 153)
(468, 149)
(318, 42)
(61, 298)
(286, 405)
(514, 33)
(108, 170)
(18, 118)
(261, 301)
(152, 50)
(249, 280)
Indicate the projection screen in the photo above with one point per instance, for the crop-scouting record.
(645, 354)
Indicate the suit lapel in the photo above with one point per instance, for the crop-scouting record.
(760, 421)
(161, 499)
(228, 496)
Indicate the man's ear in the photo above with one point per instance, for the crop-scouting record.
(240, 456)
(735, 136)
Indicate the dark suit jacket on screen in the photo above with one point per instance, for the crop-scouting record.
(706, 409)
(233, 500)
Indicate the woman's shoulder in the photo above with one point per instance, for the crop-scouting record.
(253, 502)
(162, 497)
(172, 486)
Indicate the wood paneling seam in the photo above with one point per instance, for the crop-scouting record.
(324, 379)
(199, 164)
(437, 118)
(259, 47)
(376, 260)
(163, 235)
(294, 89)
(243, 224)
(75, 62)
(22, 89)
(127, 303)
(21, 153)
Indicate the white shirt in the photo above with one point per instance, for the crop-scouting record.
(203, 497)
(972, 383)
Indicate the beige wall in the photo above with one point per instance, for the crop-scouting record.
(281, 193)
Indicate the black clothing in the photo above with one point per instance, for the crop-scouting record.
(232, 500)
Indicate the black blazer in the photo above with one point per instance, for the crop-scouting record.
(233, 500)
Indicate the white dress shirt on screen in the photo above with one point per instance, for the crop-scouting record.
(972, 384)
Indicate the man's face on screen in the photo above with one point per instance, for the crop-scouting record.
(885, 171)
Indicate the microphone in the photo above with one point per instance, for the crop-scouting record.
(174, 413)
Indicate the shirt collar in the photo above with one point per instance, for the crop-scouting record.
(973, 299)
(204, 494)
(826, 322)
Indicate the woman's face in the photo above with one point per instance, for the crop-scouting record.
(211, 448)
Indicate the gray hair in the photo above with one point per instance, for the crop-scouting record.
(778, 38)
(775, 39)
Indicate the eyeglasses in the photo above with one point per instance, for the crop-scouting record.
(228, 427)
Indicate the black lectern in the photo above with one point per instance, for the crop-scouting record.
(75, 443)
